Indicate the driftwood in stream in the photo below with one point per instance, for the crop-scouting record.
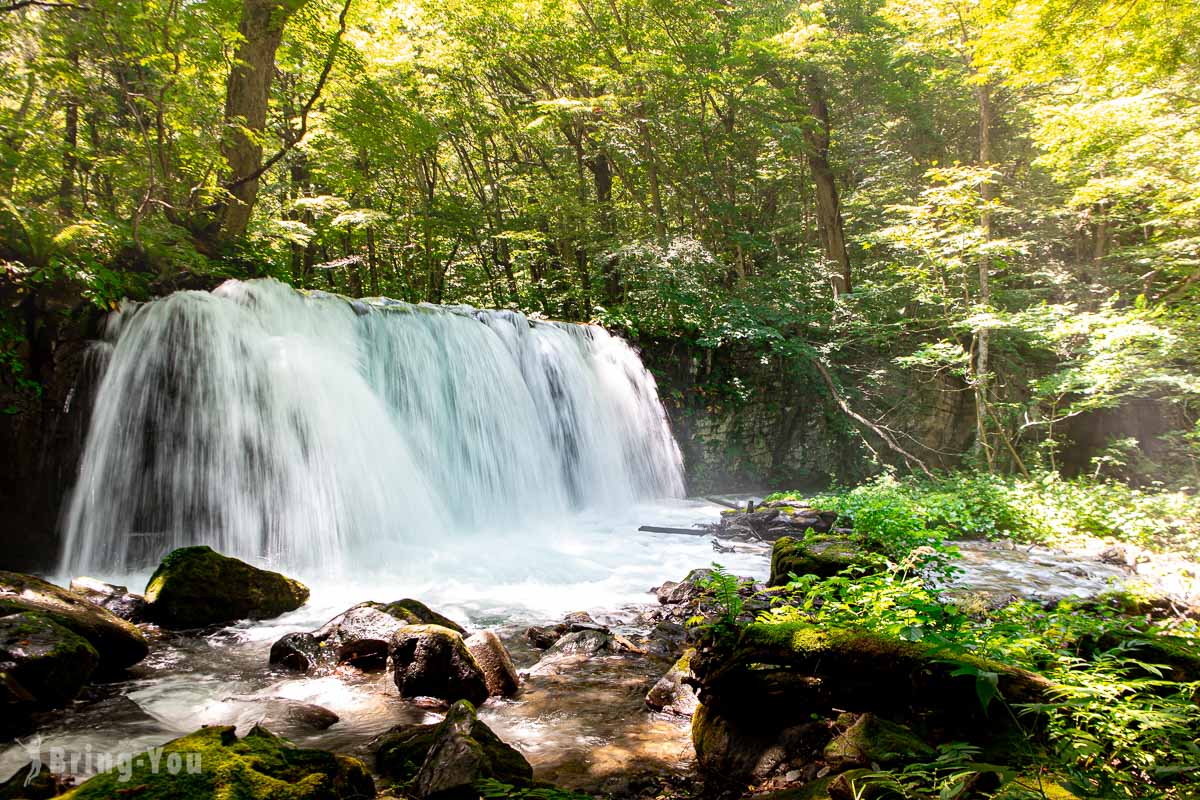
(725, 503)
(683, 531)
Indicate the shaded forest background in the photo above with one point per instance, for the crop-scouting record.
(999, 197)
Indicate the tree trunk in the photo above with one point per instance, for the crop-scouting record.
(830, 227)
(247, 92)
(602, 179)
(987, 192)
(70, 160)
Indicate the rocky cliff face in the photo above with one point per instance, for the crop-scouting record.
(749, 423)
(42, 434)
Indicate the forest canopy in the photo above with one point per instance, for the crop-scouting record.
(1005, 193)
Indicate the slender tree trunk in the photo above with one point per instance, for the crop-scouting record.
(987, 191)
(70, 159)
(830, 226)
(247, 92)
(602, 179)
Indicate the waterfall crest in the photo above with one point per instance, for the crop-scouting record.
(306, 431)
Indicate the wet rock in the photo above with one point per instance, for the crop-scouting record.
(583, 643)
(213, 762)
(687, 591)
(581, 621)
(824, 556)
(358, 637)
(433, 661)
(465, 751)
(400, 752)
(667, 638)
(45, 661)
(417, 613)
(118, 643)
(543, 636)
(117, 599)
(671, 695)
(17, 704)
(870, 740)
(499, 672)
(283, 712)
(197, 586)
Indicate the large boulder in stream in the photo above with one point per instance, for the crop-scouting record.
(214, 762)
(760, 692)
(433, 661)
(499, 672)
(196, 586)
(446, 760)
(117, 643)
(46, 660)
(358, 637)
(823, 556)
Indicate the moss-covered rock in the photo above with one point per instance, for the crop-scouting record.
(400, 752)
(824, 556)
(118, 643)
(214, 763)
(45, 659)
(736, 752)
(17, 704)
(417, 613)
(871, 740)
(197, 586)
(433, 661)
(41, 786)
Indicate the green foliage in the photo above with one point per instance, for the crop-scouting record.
(725, 588)
(492, 789)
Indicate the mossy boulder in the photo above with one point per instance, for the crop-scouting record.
(197, 586)
(417, 613)
(823, 556)
(17, 704)
(737, 752)
(118, 643)
(213, 762)
(433, 661)
(400, 752)
(45, 659)
(870, 740)
(465, 751)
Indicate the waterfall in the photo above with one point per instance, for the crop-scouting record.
(306, 430)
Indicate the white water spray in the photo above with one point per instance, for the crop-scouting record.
(309, 431)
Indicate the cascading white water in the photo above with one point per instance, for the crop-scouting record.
(304, 431)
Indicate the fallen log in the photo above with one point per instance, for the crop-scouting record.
(725, 503)
(683, 531)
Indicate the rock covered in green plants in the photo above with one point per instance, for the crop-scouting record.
(118, 643)
(214, 763)
(197, 586)
(25, 784)
(400, 752)
(45, 659)
(499, 672)
(465, 751)
(433, 661)
(417, 613)
(871, 740)
(671, 694)
(823, 556)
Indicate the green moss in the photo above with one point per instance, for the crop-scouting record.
(417, 613)
(196, 586)
(48, 660)
(260, 766)
(824, 556)
(400, 753)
